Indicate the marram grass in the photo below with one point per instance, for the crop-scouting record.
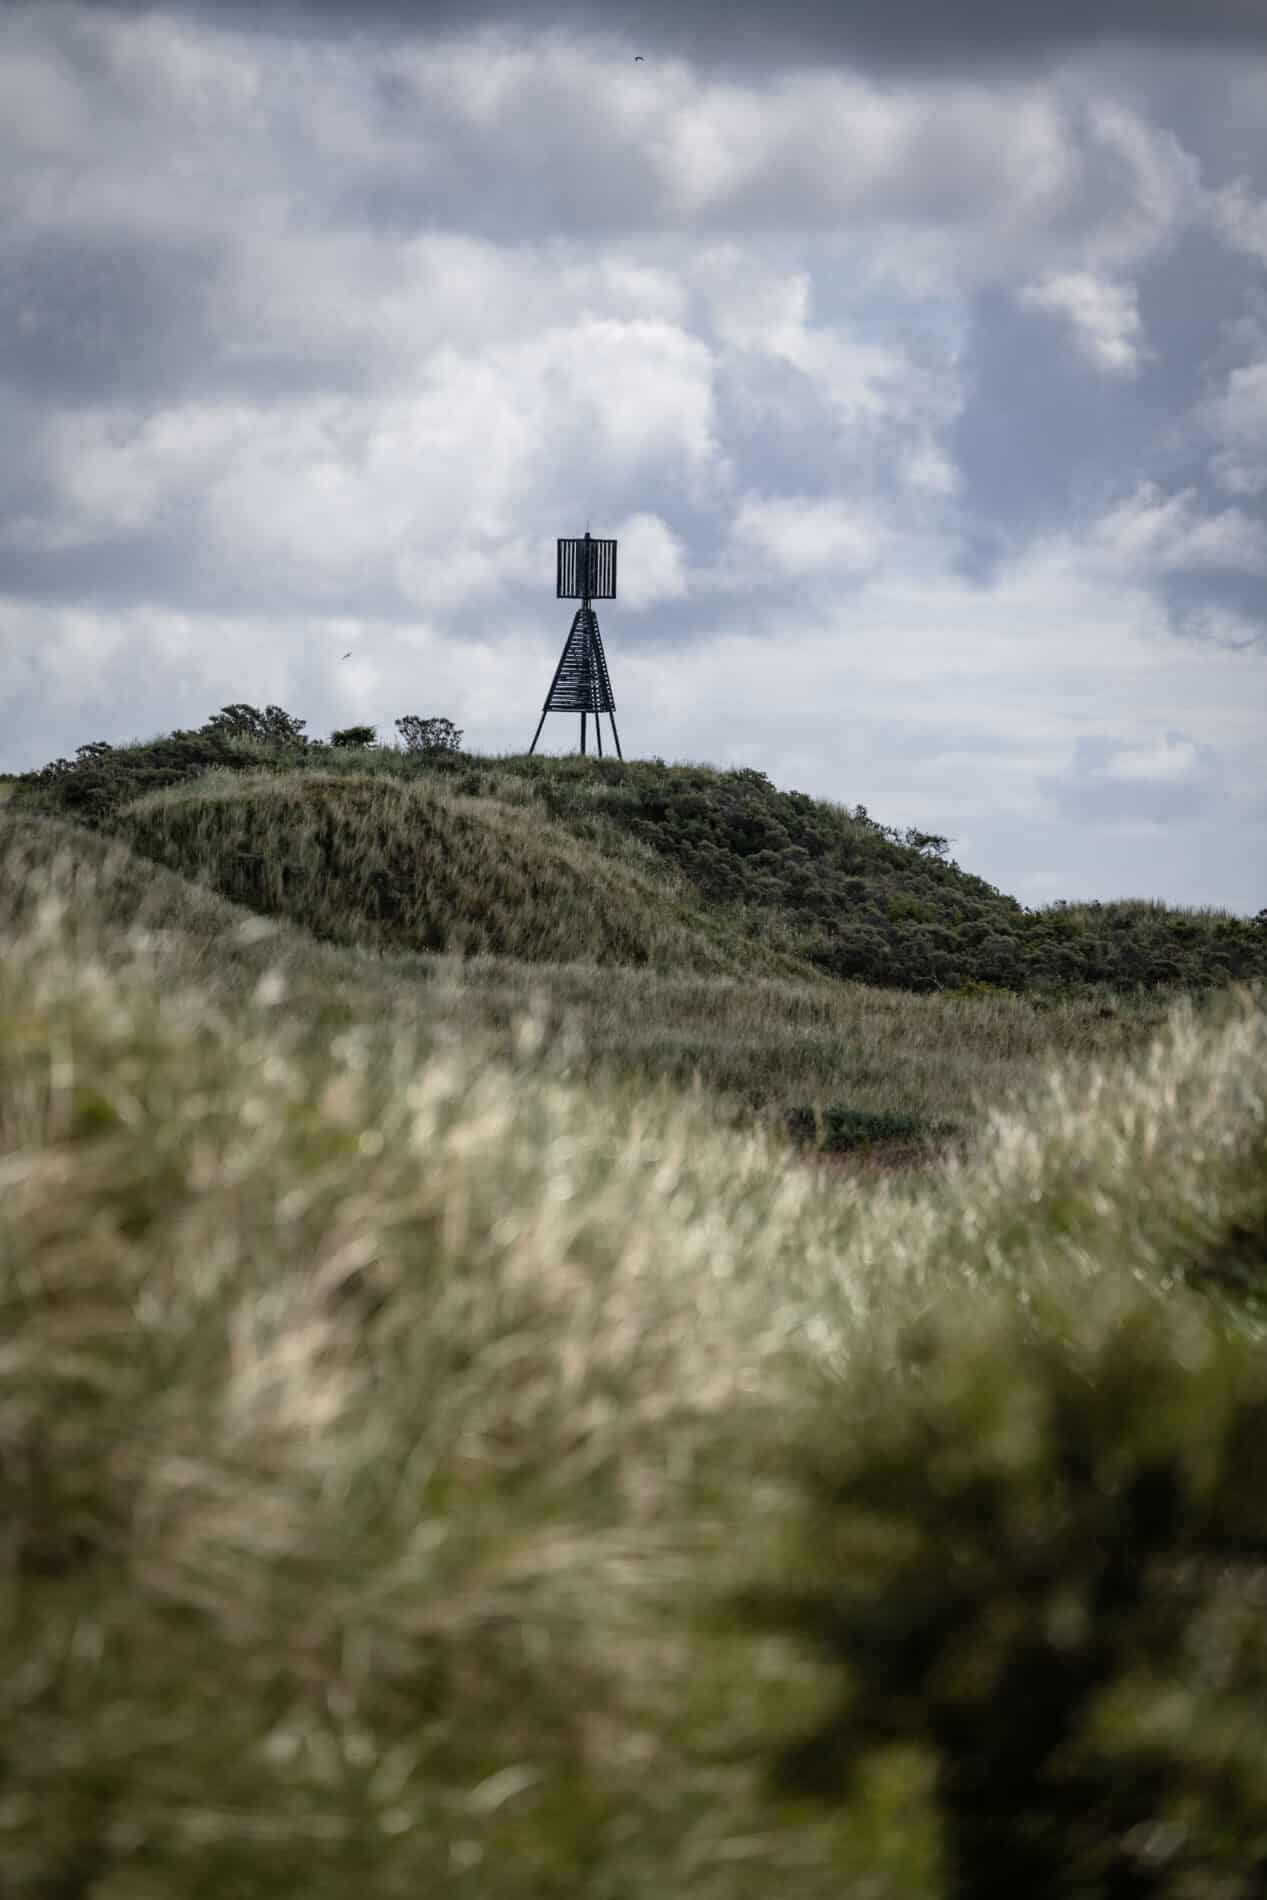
(393, 865)
(816, 1053)
(390, 1427)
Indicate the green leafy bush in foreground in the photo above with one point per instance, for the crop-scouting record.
(386, 1433)
(1044, 1571)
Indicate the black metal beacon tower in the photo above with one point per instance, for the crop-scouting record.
(581, 683)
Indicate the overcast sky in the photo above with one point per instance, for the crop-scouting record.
(916, 354)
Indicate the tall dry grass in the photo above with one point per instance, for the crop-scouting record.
(387, 1421)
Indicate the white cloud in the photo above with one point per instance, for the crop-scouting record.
(384, 302)
(795, 536)
(1104, 316)
(1238, 420)
(1239, 416)
(652, 562)
(931, 469)
(1165, 534)
(1164, 189)
(429, 486)
(116, 470)
(760, 312)
(234, 113)
(1240, 217)
(1169, 760)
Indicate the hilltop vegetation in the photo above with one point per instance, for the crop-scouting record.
(567, 900)
(843, 1066)
(819, 886)
(430, 1468)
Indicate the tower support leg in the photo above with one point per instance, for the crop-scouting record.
(536, 735)
(598, 734)
(582, 735)
(616, 736)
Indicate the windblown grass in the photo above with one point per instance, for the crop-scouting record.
(845, 1060)
(390, 864)
(387, 1421)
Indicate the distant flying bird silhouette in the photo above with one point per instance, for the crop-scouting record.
(348, 654)
(637, 57)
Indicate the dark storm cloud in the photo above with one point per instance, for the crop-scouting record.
(912, 34)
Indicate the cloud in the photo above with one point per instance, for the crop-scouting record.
(795, 536)
(1163, 185)
(1151, 532)
(1104, 317)
(653, 562)
(1237, 419)
(1241, 217)
(1169, 760)
(423, 485)
(1145, 787)
(917, 35)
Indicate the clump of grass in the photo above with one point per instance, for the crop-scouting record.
(386, 1419)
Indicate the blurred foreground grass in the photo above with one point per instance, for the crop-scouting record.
(427, 1467)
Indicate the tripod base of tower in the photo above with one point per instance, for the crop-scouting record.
(581, 682)
(598, 734)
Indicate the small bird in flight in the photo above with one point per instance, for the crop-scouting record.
(348, 654)
(637, 57)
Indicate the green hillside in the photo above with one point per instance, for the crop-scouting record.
(846, 1066)
(406, 864)
(798, 880)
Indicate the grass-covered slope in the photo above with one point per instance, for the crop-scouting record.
(847, 1066)
(859, 899)
(818, 883)
(420, 1474)
(388, 863)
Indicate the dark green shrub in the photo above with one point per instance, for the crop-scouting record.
(273, 726)
(428, 735)
(1035, 1549)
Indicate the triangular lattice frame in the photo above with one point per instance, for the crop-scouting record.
(581, 681)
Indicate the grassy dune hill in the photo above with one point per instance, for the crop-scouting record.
(848, 1066)
(791, 876)
(408, 865)
(426, 1470)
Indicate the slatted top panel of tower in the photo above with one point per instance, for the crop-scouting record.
(584, 557)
